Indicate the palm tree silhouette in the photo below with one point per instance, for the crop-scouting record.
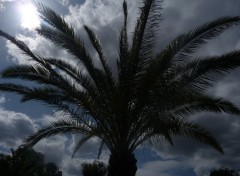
(145, 101)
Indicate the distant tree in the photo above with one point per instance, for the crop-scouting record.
(22, 163)
(224, 172)
(51, 169)
(26, 162)
(94, 169)
(5, 164)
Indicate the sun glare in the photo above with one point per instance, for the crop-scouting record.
(29, 17)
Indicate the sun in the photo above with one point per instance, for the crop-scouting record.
(29, 16)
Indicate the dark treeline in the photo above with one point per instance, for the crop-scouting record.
(224, 172)
(26, 162)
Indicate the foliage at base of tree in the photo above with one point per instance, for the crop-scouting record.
(26, 162)
(94, 169)
(224, 172)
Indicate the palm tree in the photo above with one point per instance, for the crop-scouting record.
(145, 100)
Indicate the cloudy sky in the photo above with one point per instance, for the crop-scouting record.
(18, 120)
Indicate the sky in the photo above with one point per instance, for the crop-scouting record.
(105, 17)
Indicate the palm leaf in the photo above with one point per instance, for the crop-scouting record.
(147, 50)
(186, 44)
(180, 48)
(77, 49)
(178, 127)
(191, 130)
(15, 88)
(200, 74)
(64, 36)
(140, 28)
(62, 126)
(206, 104)
(21, 45)
(96, 44)
(54, 19)
(73, 45)
(123, 46)
(28, 72)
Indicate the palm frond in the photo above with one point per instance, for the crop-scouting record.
(27, 72)
(14, 88)
(73, 45)
(138, 36)
(96, 44)
(42, 76)
(78, 50)
(140, 28)
(200, 74)
(175, 99)
(54, 19)
(21, 45)
(205, 104)
(128, 67)
(177, 52)
(170, 126)
(62, 126)
(64, 36)
(48, 95)
(123, 46)
(147, 50)
(74, 73)
(186, 44)
(194, 131)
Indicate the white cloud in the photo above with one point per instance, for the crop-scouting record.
(71, 166)
(163, 168)
(2, 6)
(14, 128)
(53, 148)
(2, 99)
(63, 2)
(102, 14)
(95, 13)
(105, 18)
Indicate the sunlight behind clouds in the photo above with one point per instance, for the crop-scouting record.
(29, 16)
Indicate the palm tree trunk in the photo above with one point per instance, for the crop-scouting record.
(122, 164)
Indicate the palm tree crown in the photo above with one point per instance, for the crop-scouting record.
(146, 100)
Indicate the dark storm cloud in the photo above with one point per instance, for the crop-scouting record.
(180, 16)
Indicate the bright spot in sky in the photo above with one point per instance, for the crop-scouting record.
(29, 16)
